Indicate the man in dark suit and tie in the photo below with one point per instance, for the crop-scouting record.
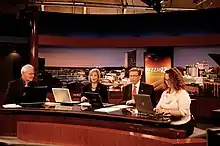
(137, 87)
(14, 92)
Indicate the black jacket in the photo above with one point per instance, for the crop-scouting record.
(101, 89)
(143, 89)
(14, 92)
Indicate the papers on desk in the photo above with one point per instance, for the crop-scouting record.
(85, 104)
(11, 106)
(65, 108)
(112, 108)
(51, 103)
(106, 110)
(217, 110)
(121, 106)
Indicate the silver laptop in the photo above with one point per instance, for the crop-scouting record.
(143, 103)
(62, 95)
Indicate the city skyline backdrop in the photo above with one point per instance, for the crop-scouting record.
(115, 57)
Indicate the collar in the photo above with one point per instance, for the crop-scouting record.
(168, 93)
(23, 81)
(137, 85)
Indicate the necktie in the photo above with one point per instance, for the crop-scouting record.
(134, 90)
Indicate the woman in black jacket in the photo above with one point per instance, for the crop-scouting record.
(95, 86)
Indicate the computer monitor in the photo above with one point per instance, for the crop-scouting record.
(35, 94)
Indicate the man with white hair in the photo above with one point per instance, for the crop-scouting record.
(14, 92)
(27, 74)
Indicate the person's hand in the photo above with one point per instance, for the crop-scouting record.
(129, 102)
(157, 110)
(161, 111)
(83, 108)
(83, 99)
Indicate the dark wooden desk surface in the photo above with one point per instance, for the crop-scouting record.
(21, 120)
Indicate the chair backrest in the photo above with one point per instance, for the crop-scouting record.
(213, 134)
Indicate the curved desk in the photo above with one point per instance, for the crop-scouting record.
(76, 126)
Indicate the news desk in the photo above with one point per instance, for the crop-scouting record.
(80, 126)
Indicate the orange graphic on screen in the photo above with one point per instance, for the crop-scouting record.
(154, 69)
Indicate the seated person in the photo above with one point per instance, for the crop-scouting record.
(14, 92)
(95, 86)
(136, 87)
(176, 101)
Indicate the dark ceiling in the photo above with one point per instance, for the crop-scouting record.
(105, 6)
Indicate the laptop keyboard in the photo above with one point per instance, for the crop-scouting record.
(154, 116)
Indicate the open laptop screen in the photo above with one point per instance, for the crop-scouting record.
(143, 103)
(61, 95)
(34, 94)
(94, 99)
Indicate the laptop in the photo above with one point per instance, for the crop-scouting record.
(143, 103)
(34, 96)
(95, 100)
(62, 95)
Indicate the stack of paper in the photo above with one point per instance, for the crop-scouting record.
(121, 106)
(85, 104)
(106, 110)
(51, 103)
(11, 106)
(112, 108)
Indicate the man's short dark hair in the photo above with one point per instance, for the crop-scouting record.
(136, 69)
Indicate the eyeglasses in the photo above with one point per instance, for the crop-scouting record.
(31, 74)
(133, 75)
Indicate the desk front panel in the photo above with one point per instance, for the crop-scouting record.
(23, 122)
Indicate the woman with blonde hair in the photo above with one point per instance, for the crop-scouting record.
(176, 101)
(95, 86)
